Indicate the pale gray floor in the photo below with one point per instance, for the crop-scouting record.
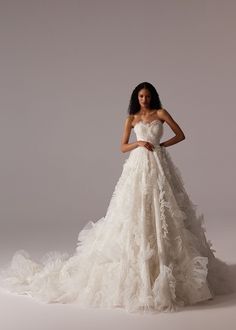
(20, 312)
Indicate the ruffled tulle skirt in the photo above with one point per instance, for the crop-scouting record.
(148, 253)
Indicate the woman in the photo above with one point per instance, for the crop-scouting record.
(149, 252)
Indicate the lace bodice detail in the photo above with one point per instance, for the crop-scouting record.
(149, 131)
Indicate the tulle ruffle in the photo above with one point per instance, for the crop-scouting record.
(149, 252)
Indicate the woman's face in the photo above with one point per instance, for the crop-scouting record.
(144, 98)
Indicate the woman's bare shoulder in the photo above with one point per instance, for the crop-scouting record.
(162, 113)
(129, 119)
(132, 119)
(160, 110)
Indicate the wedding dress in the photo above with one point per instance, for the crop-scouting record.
(148, 253)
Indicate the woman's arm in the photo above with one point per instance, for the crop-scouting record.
(179, 134)
(125, 146)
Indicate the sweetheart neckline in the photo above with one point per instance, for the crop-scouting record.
(148, 123)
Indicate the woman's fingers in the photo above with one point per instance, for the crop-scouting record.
(149, 146)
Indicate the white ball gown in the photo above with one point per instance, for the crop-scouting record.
(148, 253)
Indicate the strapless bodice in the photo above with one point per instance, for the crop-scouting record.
(149, 131)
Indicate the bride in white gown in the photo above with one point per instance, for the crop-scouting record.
(149, 252)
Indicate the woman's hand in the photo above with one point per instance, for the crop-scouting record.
(146, 144)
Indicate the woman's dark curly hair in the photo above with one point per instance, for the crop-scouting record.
(134, 105)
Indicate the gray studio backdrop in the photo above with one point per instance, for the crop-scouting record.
(67, 72)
